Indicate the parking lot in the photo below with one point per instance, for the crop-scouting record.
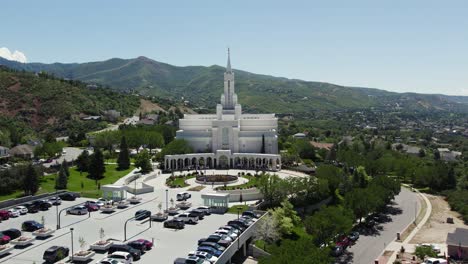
(168, 243)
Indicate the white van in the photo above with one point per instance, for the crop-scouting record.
(435, 261)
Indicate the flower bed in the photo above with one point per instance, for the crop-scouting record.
(159, 217)
(134, 200)
(216, 179)
(83, 255)
(101, 245)
(22, 241)
(43, 232)
(5, 249)
(173, 210)
(184, 205)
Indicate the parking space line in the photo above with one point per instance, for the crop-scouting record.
(128, 208)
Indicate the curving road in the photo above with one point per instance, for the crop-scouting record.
(370, 246)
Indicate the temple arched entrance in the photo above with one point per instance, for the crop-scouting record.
(223, 162)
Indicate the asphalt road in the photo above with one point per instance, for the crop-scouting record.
(70, 154)
(370, 246)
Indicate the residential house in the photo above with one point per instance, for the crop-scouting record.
(457, 244)
(4, 152)
(23, 151)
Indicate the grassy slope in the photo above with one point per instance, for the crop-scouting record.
(90, 188)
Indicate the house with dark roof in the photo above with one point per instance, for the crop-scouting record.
(457, 244)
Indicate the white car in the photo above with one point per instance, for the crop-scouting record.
(78, 210)
(14, 213)
(22, 209)
(125, 257)
(187, 218)
(55, 200)
(228, 233)
(203, 255)
(435, 261)
(110, 261)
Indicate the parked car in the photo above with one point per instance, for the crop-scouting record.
(68, 197)
(13, 212)
(4, 239)
(354, 236)
(110, 261)
(213, 245)
(123, 257)
(203, 255)
(187, 218)
(219, 239)
(78, 210)
(183, 196)
(4, 215)
(174, 223)
(231, 229)
(198, 213)
(228, 233)
(13, 233)
(55, 200)
(137, 245)
(148, 244)
(101, 202)
(31, 208)
(142, 214)
(136, 254)
(435, 261)
(210, 250)
(23, 210)
(42, 205)
(91, 206)
(195, 260)
(251, 214)
(31, 226)
(237, 226)
(55, 253)
(239, 223)
(204, 209)
(337, 251)
(344, 242)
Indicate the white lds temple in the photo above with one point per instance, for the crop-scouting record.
(229, 138)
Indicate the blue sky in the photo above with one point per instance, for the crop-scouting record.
(404, 46)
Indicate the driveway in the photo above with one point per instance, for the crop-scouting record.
(371, 245)
(70, 154)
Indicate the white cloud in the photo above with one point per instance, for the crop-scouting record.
(15, 56)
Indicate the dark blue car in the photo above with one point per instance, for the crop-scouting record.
(210, 250)
(31, 226)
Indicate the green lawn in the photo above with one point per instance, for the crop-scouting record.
(233, 209)
(89, 186)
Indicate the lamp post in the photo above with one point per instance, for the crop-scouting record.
(239, 208)
(71, 232)
(56, 204)
(167, 202)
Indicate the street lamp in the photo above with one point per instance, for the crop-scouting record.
(71, 232)
(239, 208)
(167, 202)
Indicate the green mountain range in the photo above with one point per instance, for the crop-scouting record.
(202, 86)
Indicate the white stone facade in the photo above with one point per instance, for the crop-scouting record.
(229, 138)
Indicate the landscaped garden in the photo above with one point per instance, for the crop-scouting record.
(82, 184)
(179, 181)
(251, 183)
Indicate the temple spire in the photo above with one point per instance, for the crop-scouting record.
(228, 67)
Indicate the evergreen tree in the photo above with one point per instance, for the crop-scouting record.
(96, 167)
(123, 161)
(66, 168)
(83, 160)
(62, 179)
(31, 181)
(451, 178)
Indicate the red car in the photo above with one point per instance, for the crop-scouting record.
(92, 207)
(343, 242)
(4, 215)
(4, 239)
(148, 244)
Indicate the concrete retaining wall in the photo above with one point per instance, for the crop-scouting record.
(14, 202)
(252, 194)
